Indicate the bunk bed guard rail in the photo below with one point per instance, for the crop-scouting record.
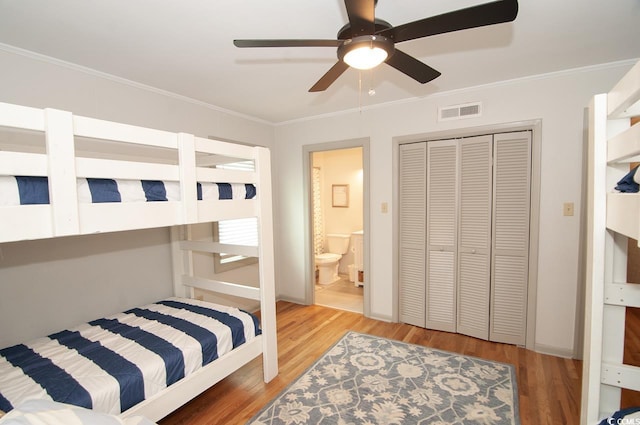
(65, 149)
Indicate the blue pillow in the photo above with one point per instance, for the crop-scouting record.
(627, 184)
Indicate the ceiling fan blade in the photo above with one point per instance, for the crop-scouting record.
(471, 17)
(327, 79)
(361, 16)
(412, 67)
(287, 43)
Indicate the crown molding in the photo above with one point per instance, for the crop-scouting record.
(110, 77)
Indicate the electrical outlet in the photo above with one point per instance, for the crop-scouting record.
(567, 209)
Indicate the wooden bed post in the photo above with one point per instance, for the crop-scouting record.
(63, 192)
(188, 181)
(182, 261)
(594, 296)
(267, 266)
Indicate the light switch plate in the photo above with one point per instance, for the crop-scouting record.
(567, 209)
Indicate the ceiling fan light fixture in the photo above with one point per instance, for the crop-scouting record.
(365, 52)
(366, 41)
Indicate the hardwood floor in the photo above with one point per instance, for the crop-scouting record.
(630, 398)
(549, 387)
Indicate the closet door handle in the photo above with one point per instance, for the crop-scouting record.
(473, 251)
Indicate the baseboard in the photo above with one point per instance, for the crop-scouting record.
(291, 300)
(554, 351)
(382, 318)
(539, 348)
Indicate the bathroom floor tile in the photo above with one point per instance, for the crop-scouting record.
(343, 295)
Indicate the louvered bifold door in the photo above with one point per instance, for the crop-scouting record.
(511, 211)
(442, 176)
(412, 223)
(474, 236)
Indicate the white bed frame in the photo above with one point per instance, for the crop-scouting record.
(64, 147)
(612, 218)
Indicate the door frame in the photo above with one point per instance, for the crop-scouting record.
(535, 126)
(307, 152)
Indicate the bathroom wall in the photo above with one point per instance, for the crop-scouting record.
(343, 167)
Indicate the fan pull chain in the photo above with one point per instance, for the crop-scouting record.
(360, 92)
(372, 91)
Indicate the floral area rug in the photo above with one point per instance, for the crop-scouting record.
(366, 380)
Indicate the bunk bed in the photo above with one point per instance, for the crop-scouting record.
(63, 174)
(613, 217)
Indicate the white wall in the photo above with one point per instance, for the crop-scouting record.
(48, 285)
(558, 100)
(30, 81)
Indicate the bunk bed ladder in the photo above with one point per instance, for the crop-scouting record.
(267, 265)
(185, 281)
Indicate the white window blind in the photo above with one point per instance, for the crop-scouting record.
(242, 231)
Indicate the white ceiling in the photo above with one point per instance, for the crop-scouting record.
(185, 47)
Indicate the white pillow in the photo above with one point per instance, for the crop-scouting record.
(48, 412)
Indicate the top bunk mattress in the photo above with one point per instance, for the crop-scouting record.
(29, 190)
(112, 364)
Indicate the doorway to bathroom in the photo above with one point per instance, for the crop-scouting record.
(336, 228)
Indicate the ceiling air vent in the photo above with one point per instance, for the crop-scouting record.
(457, 112)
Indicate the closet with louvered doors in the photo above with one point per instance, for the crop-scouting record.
(463, 240)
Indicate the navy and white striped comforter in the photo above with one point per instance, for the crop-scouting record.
(111, 364)
(25, 190)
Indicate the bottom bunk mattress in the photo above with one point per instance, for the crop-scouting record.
(112, 364)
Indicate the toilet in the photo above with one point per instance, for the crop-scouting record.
(327, 263)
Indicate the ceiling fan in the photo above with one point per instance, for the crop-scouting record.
(367, 41)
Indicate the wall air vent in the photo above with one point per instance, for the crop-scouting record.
(457, 112)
